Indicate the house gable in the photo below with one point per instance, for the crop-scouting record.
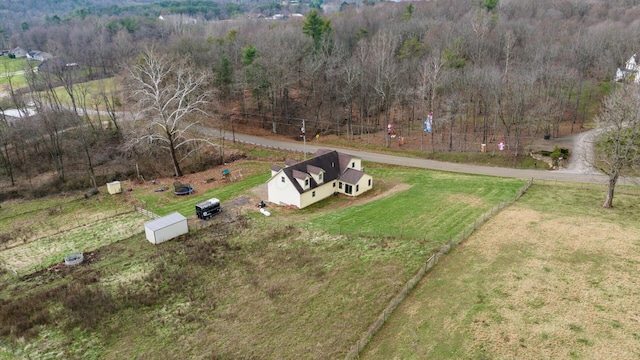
(316, 173)
(275, 169)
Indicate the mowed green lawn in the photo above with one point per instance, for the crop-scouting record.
(9, 65)
(553, 276)
(429, 210)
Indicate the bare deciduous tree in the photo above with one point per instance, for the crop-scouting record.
(618, 145)
(168, 94)
(6, 136)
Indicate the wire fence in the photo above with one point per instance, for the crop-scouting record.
(147, 213)
(21, 237)
(429, 263)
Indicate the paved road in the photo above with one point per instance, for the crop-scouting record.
(419, 163)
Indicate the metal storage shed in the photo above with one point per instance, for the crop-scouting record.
(166, 228)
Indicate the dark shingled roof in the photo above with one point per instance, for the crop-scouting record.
(275, 167)
(344, 160)
(289, 162)
(299, 174)
(314, 169)
(351, 176)
(333, 163)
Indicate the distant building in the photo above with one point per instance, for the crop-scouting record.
(17, 53)
(38, 55)
(630, 70)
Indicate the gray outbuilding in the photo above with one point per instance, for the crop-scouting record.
(166, 228)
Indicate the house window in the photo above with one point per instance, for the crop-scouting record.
(348, 189)
(333, 164)
(340, 185)
(369, 182)
(353, 164)
(282, 179)
(334, 184)
(357, 188)
(313, 194)
(306, 182)
(320, 176)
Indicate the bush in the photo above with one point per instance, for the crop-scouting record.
(87, 305)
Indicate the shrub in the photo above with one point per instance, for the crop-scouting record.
(87, 305)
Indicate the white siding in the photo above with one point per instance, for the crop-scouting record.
(363, 185)
(304, 183)
(317, 178)
(322, 192)
(355, 163)
(282, 193)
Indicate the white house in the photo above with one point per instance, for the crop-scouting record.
(39, 56)
(631, 68)
(166, 228)
(18, 52)
(304, 183)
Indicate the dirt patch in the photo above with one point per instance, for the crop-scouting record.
(378, 195)
(201, 181)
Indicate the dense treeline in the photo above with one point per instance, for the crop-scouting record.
(489, 71)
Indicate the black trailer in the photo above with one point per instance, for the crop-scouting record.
(208, 208)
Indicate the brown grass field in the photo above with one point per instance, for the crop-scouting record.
(551, 277)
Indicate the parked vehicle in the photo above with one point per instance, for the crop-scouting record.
(208, 208)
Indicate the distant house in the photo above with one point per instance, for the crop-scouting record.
(307, 182)
(630, 70)
(38, 56)
(17, 52)
(57, 66)
(178, 19)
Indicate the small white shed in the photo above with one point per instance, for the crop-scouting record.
(166, 228)
(114, 187)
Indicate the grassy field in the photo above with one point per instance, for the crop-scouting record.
(9, 65)
(41, 232)
(552, 276)
(93, 90)
(287, 286)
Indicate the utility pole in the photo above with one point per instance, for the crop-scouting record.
(304, 140)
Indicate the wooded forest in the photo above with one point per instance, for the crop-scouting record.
(487, 70)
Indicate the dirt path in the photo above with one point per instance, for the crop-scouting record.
(582, 154)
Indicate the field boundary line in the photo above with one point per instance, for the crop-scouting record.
(430, 263)
(147, 213)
